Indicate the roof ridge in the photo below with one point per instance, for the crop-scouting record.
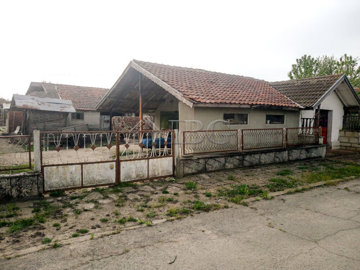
(57, 84)
(198, 69)
(309, 78)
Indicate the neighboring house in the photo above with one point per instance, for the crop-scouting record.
(186, 94)
(30, 113)
(84, 100)
(325, 101)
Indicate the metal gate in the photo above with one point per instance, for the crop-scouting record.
(94, 158)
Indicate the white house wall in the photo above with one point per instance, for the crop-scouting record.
(335, 119)
(92, 119)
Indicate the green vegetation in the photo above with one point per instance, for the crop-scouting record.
(201, 206)
(284, 172)
(104, 220)
(75, 235)
(175, 212)
(230, 177)
(56, 245)
(57, 225)
(208, 194)
(131, 219)
(151, 214)
(45, 240)
(83, 231)
(122, 220)
(190, 185)
(278, 184)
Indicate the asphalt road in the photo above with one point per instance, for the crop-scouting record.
(318, 229)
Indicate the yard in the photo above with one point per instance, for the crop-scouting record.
(90, 213)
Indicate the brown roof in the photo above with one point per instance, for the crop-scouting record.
(308, 91)
(207, 87)
(83, 98)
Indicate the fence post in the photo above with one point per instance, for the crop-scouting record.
(177, 156)
(37, 151)
(284, 136)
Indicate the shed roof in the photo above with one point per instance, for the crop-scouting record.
(83, 97)
(41, 104)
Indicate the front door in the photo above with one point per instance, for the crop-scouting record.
(324, 124)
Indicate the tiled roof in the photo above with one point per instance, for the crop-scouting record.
(206, 87)
(308, 91)
(83, 98)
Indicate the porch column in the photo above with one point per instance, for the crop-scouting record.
(317, 117)
(140, 104)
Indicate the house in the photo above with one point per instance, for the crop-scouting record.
(198, 99)
(84, 100)
(325, 100)
(30, 113)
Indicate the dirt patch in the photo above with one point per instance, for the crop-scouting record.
(94, 211)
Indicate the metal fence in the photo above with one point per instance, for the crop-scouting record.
(213, 141)
(351, 122)
(302, 136)
(94, 146)
(210, 141)
(252, 139)
(15, 152)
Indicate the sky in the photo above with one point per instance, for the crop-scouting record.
(89, 43)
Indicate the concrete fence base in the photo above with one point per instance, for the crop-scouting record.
(20, 186)
(349, 140)
(210, 163)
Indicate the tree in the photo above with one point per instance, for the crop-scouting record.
(308, 66)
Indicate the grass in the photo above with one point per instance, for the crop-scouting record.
(230, 177)
(176, 212)
(57, 225)
(21, 224)
(122, 220)
(151, 214)
(190, 185)
(208, 194)
(279, 184)
(83, 231)
(330, 173)
(201, 206)
(131, 219)
(56, 245)
(239, 192)
(285, 172)
(45, 240)
(75, 235)
(104, 220)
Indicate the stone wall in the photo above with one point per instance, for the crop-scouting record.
(20, 186)
(349, 140)
(210, 163)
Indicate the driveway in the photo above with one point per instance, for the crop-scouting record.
(317, 229)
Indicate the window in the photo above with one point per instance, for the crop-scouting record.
(275, 119)
(236, 118)
(77, 116)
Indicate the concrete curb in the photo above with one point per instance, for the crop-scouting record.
(84, 238)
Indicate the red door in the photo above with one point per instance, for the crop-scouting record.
(324, 124)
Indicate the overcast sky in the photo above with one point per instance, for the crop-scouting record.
(90, 43)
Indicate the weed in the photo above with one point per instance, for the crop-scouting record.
(131, 219)
(303, 167)
(139, 208)
(116, 213)
(151, 214)
(165, 191)
(170, 199)
(201, 206)
(162, 199)
(92, 236)
(122, 220)
(56, 225)
(120, 202)
(190, 185)
(141, 221)
(83, 231)
(230, 177)
(21, 224)
(56, 245)
(237, 199)
(284, 172)
(266, 196)
(75, 235)
(278, 184)
(176, 193)
(244, 204)
(45, 240)
(148, 223)
(208, 194)
(77, 212)
(104, 220)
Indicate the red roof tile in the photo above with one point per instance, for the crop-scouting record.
(207, 87)
(83, 98)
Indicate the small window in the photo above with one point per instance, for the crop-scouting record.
(77, 116)
(236, 118)
(274, 119)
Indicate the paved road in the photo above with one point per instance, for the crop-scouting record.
(318, 229)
